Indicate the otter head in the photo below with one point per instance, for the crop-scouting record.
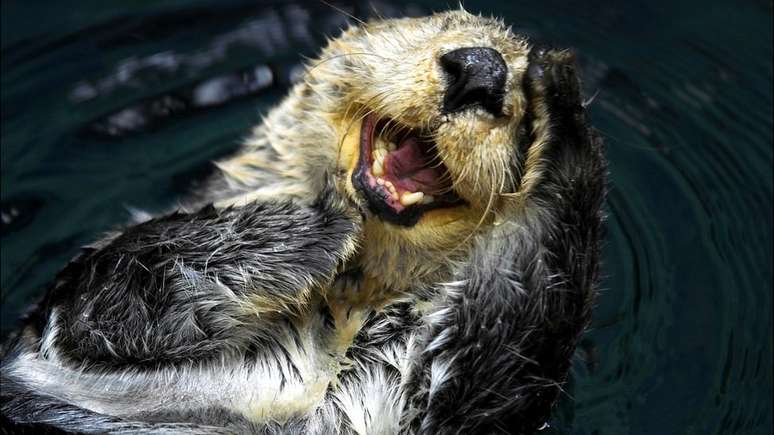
(431, 123)
(426, 128)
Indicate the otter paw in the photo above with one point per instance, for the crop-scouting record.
(553, 73)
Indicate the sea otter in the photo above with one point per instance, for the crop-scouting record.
(408, 243)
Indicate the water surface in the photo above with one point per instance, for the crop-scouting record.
(108, 106)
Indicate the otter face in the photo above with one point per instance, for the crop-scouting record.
(430, 111)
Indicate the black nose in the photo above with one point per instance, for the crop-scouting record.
(477, 77)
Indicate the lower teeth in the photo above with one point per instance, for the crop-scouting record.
(411, 198)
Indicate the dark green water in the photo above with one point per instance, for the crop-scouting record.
(113, 105)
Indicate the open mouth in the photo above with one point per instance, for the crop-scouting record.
(400, 173)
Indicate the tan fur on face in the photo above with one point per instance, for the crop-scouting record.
(392, 68)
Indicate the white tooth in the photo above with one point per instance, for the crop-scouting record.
(380, 144)
(380, 154)
(391, 146)
(428, 199)
(377, 168)
(380, 181)
(411, 198)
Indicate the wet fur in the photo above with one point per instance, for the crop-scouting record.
(308, 315)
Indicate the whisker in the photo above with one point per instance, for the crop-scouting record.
(342, 11)
(337, 56)
(591, 99)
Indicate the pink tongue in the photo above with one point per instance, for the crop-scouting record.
(411, 169)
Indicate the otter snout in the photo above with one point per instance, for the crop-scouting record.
(477, 77)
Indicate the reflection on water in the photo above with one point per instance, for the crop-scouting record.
(123, 107)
